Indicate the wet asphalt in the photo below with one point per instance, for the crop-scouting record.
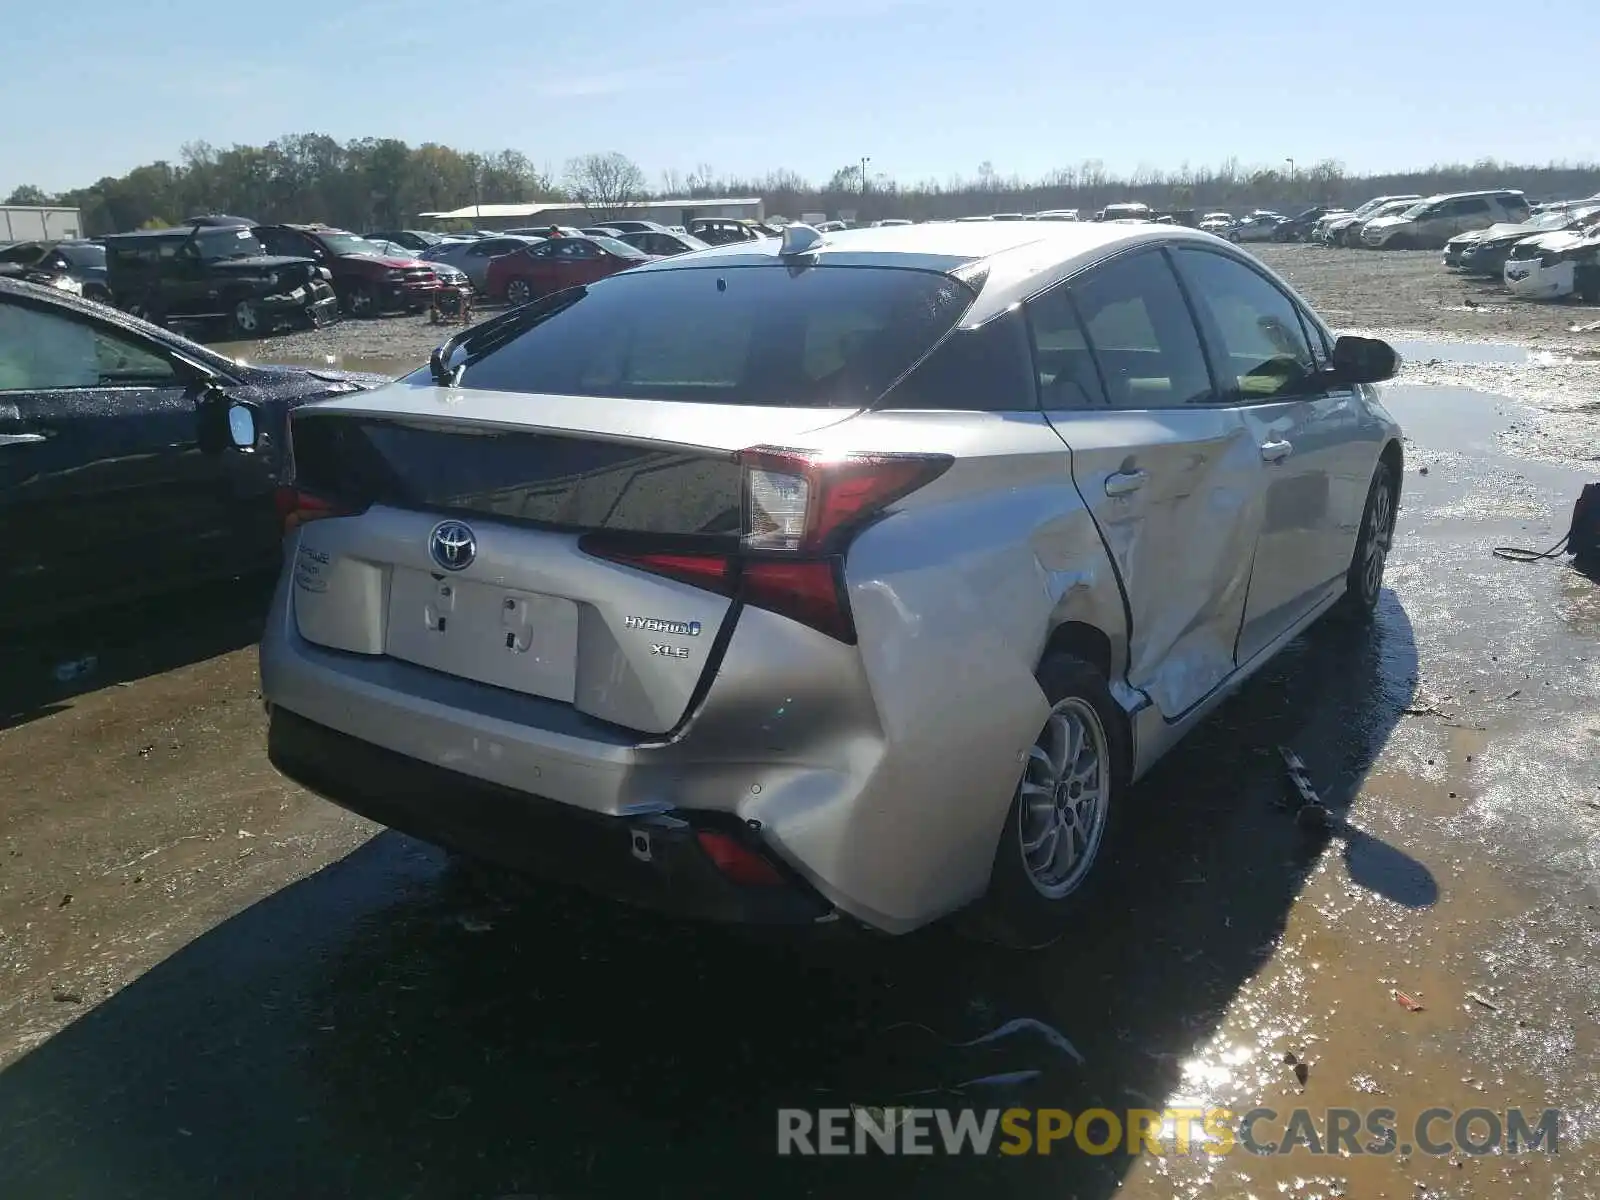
(215, 985)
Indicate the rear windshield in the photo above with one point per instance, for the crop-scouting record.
(833, 337)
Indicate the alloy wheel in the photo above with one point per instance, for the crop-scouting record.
(245, 317)
(1380, 536)
(1063, 798)
(518, 291)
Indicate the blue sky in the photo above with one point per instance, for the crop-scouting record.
(926, 88)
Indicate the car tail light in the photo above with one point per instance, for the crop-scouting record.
(800, 512)
(737, 862)
(297, 507)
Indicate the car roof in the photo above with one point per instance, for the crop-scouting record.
(1020, 257)
(170, 231)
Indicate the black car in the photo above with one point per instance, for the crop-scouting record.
(82, 262)
(1298, 227)
(215, 273)
(115, 474)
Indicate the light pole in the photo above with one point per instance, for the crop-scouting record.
(1290, 161)
(864, 163)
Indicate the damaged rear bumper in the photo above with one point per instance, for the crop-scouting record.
(666, 861)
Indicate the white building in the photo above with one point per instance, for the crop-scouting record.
(39, 223)
(666, 212)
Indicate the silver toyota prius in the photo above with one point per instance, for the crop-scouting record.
(838, 576)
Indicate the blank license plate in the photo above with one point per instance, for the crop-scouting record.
(518, 640)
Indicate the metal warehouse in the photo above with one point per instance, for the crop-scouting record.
(38, 223)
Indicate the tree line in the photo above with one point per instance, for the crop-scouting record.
(384, 182)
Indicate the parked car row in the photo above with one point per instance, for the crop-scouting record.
(1551, 256)
(1420, 222)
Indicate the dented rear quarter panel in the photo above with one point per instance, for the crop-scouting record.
(955, 595)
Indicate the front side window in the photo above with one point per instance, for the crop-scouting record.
(1144, 339)
(1260, 345)
(767, 335)
(43, 351)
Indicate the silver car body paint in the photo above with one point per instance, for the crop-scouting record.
(882, 772)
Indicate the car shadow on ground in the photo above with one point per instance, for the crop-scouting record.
(43, 666)
(382, 1029)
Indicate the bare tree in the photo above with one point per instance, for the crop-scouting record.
(605, 182)
(702, 181)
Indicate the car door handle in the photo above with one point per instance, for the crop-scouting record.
(1125, 483)
(1276, 451)
(20, 439)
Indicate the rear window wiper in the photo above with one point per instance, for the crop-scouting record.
(484, 339)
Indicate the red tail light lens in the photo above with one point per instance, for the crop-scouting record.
(801, 509)
(714, 572)
(806, 590)
(297, 507)
(738, 862)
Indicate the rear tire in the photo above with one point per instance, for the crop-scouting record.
(1364, 580)
(1060, 830)
(244, 319)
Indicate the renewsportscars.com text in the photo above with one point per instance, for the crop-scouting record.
(1211, 1131)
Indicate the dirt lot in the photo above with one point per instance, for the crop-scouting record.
(215, 985)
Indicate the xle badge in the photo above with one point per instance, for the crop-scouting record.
(669, 651)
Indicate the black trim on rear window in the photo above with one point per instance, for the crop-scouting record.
(548, 480)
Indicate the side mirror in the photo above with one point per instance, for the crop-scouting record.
(242, 430)
(225, 422)
(1364, 360)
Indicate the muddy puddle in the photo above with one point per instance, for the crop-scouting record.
(1560, 386)
(262, 352)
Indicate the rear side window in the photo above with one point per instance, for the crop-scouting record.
(1067, 375)
(833, 337)
(1260, 349)
(1144, 339)
(973, 370)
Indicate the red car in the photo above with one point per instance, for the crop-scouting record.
(559, 263)
(367, 281)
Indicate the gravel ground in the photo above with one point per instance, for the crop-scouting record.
(1411, 291)
(1404, 294)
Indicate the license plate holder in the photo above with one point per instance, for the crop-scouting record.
(506, 637)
